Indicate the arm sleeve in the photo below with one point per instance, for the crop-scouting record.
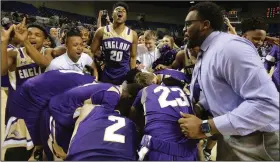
(242, 69)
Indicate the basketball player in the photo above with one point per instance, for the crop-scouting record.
(115, 137)
(119, 45)
(30, 60)
(30, 100)
(65, 108)
(185, 59)
(5, 46)
(156, 110)
(273, 59)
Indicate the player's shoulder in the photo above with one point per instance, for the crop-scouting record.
(132, 31)
(85, 56)
(100, 31)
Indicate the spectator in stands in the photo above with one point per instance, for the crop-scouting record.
(74, 58)
(147, 54)
(85, 36)
(141, 39)
(54, 35)
(49, 42)
(167, 52)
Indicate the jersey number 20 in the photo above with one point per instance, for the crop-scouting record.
(116, 55)
(182, 101)
(110, 135)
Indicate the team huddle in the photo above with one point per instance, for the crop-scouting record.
(79, 119)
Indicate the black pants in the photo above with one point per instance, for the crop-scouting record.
(17, 154)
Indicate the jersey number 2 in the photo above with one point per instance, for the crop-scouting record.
(182, 101)
(116, 55)
(110, 135)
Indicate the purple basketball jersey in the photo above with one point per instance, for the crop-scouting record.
(174, 74)
(116, 49)
(63, 106)
(34, 95)
(273, 58)
(162, 111)
(103, 135)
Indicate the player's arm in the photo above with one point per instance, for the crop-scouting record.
(5, 36)
(136, 113)
(59, 50)
(273, 40)
(270, 59)
(133, 50)
(35, 55)
(48, 53)
(177, 63)
(97, 40)
(95, 72)
(4, 59)
(21, 33)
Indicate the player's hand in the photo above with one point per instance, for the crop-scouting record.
(86, 50)
(100, 13)
(140, 66)
(5, 34)
(190, 126)
(21, 30)
(160, 67)
(272, 40)
(226, 21)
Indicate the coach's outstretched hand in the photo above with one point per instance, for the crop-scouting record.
(191, 126)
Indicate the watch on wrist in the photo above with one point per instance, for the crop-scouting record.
(206, 128)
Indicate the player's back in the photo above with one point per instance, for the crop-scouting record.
(162, 134)
(33, 96)
(174, 74)
(103, 134)
(116, 48)
(163, 106)
(63, 106)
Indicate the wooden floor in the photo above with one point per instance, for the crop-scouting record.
(3, 106)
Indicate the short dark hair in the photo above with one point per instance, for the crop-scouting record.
(134, 88)
(211, 12)
(130, 76)
(73, 32)
(122, 4)
(53, 44)
(173, 82)
(39, 27)
(253, 23)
